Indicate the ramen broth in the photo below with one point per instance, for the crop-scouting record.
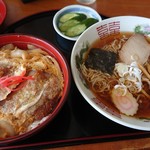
(105, 97)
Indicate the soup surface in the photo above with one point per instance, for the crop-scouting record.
(117, 70)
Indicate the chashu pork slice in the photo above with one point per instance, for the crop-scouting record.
(34, 101)
(135, 49)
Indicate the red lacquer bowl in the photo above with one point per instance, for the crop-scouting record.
(2, 11)
(21, 41)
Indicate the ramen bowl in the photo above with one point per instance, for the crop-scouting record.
(98, 34)
(22, 42)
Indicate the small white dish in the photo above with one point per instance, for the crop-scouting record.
(90, 12)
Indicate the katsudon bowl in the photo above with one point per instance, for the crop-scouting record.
(110, 66)
(34, 84)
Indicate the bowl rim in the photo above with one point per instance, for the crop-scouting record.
(101, 111)
(67, 80)
(58, 13)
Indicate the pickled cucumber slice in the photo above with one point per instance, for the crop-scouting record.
(67, 17)
(72, 22)
(81, 27)
(76, 30)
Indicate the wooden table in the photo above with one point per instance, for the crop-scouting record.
(17, 10)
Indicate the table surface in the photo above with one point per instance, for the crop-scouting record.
(17, 10)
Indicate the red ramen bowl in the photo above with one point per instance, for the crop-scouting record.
(21, 41)
(2, 11)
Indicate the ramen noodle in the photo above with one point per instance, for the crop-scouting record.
(31, 84)
(117, 70)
